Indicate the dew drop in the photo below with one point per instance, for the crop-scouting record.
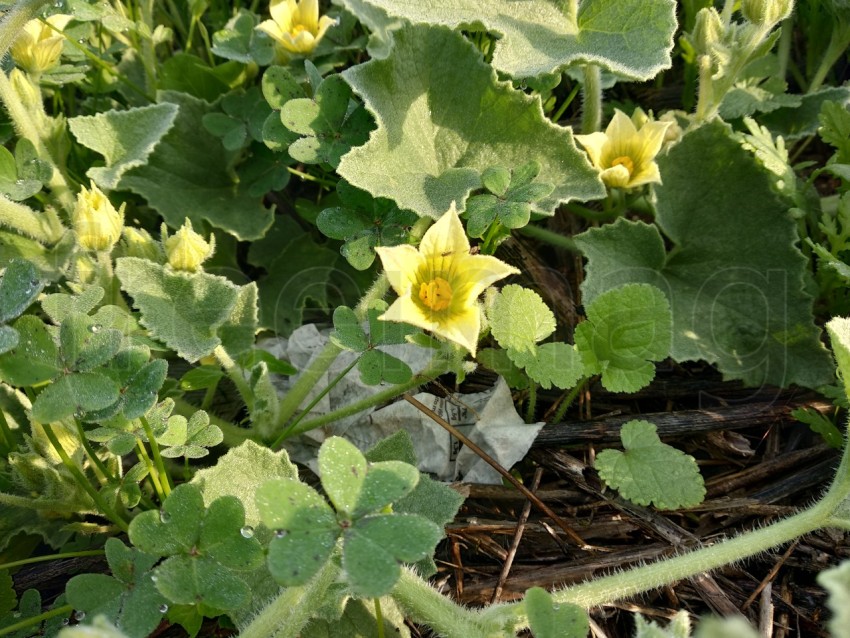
(82, 40)
(163, 608)
(79, 615)
(66, 621)
(95, 328)
(247, 531)
(164, 516)
(281, 533)
(154, 578)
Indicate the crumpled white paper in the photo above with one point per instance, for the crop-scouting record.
(488, 418)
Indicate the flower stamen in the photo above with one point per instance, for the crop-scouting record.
(436, 294)
(624, 160)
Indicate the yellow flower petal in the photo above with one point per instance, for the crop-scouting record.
(445, 239)
(405, 310)
(477, 272)
(463, 329)
(282, 12)
(308, 15)
(399, 263)
(617, 177)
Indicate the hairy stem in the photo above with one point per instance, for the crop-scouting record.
(550, 237)
(591, 115)
(157, 457)
(28, 222)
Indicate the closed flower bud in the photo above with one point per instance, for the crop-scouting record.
(25, 90)
(766, 12)
(96, 222)
(139, 243)
(39, 45)
(187, 250)
(708, 31)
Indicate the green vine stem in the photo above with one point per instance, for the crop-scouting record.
(837, 47)
(152, 471)
(428, 374)
(82, 480)
(39, 226)
(568, 400)
(95, 459)
(157, 457)
(550, 237)
(288, 614)
(37, 620)
(591, 90)
(49, 557)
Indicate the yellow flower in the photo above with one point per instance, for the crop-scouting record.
(186, 249)
(438, 285)
(296, 25)
(624, 153)
(96, 222)
(39, 45)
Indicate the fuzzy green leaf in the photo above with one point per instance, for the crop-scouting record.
(59, 306)
(189, 581)
(9, 338)
(240, 472)
(736, 303)
(187, 176)
(8, 597)
(519, 318)
(36, 357)
(20, 285)
(627, 328)
(175, 528)
(552, 364)
(375, 546)
(837, 582)
(460, 109)
(835, 130)
(184, 310)
(650, 471)
(631, 38)
(125, 138)
(74, 393)
(85, 344)
(342, 468)
(794, 123)
(547, 620)
(347, 332)
(386, 482)
(376, 366)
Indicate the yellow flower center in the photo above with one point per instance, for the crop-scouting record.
(624, 160)
(297, 28)
(436, 294)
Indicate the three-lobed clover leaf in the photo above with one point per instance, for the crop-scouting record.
(548, 620)
(240, 41)
(373, 540)
(23, 174)
(364, 222)
(19, 286)
(329, 123)
(205, 548)
(512, 192)
(129, 598)
(374, 364)
(649, 471)
(627, 328)
(241, 119)
(189, 438)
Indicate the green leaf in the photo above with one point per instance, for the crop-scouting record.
(821, 425)
(237, 333)
(201, 378)
(125, 138)
(265, 410)
(60, 306)
(552, 364)
(189, 438)
(305, 529)
(241, 42)
(36, 357)
(377, 366)
(175, 528)
(461, 110)
(650, 471)
(9, 338)
(342, 468)
(186, 176)
(385, 483)
(519, 318)
(679, 627)
(837, 582)
(74, 394)
(347, 332)
(279, 86)
(547, 620)
(129, 600)
(8, 597)
(631, 38)
(835, 130)
(736, 303)
(240, 472)
(627, 328)
(183, 310)
(19, 287)
(254, 356)
(85, 345)
(794, 123)
(375, 545)
(498, 361)
(191, 581)
(387, 333)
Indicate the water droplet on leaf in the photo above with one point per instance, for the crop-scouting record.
(163, 608)
(79, 615)
(247, 531)
(164, 516)
(281, 533)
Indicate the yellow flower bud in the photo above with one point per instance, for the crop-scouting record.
(139, 243)
(95, 220)
(766, 12)
(187, 250)
(25, 90)
(39, 45)
(708, 31)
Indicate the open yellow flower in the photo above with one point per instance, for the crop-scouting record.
(624, 153)
(296, 25)
(38, 47)
(438, 285)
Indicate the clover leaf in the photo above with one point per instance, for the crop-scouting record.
(650, 471)
(23, 174)
(509, 201)
(19, 286)
(240, 41)
(627, 328)
(548, 620)
(191, 438)
(129, 598)
(364, 222)
(329, 124)
(205, 547)
(373, 541)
